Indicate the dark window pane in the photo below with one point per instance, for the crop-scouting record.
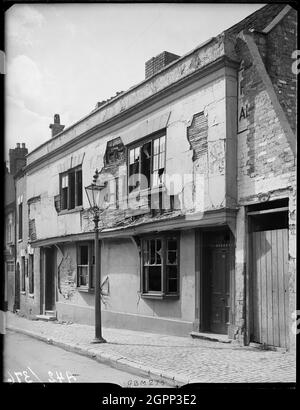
(83, 275)
(84, 255)
(172, 244)
(172, 279)
(154, 279)
(145, 278)
(71, 190)
(93, 278)
(79, 188)
(172, 257)
(158, 251)
(152, 251)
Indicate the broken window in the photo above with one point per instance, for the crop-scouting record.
(146, 164)
(71, 189)
(160, 266)
(31, 273)
(86, 266)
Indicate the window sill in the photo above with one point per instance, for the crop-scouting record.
(31, 295)
(159, 296)
(20, 240)
(71, 211)
(23, 292)
(85, 289)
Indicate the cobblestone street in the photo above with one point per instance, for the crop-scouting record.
(184, 358)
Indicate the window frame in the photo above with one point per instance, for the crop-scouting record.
(68, 196)
(9, 228)
(91, 267)
(163, 293)
(138, 145)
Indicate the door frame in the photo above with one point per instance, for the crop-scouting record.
(202, 307)
(47, 252)
(249, 226)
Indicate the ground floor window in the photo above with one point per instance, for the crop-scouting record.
(31, 273)
(85, 266)
(160, 266)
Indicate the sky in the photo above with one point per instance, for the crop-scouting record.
(63, 58)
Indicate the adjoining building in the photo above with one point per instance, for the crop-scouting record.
(16, 161)
(206, 241)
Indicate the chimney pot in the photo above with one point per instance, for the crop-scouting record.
(56, 127)
(18, 145)
(23, 145)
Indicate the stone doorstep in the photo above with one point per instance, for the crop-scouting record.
(214, 337)
(46, 318)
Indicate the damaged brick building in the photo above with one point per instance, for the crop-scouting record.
(214, 250)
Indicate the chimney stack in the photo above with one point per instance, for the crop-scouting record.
(17, 158)
(56, 127)
(157, 63)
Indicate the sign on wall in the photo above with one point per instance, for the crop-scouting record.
(243, 107)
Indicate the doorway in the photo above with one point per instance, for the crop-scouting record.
(49, 270)
(269, 290)
(17, 287)
(216, 282)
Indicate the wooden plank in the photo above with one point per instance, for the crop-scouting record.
(269, 299)
(253, 278)
(263, 273)
(286, 283)
(257, 287)
(280, 252)
(268, 211)
(275, 296)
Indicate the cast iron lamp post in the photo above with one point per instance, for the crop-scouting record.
(95, 194)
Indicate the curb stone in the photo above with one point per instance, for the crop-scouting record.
(118, 362)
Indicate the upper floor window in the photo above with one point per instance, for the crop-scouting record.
(71, 188)
(160, 263)
(146, 163)
(9, 228)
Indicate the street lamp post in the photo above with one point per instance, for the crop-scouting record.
(94, 193)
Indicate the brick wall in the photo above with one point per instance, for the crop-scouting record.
(281, 42)
(266, 164)
(158, 62)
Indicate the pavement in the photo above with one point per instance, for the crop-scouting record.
(174, 360)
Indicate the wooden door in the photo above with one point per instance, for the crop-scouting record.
(220, 294)
(49, 279)
(17, 287)
(270, 287)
